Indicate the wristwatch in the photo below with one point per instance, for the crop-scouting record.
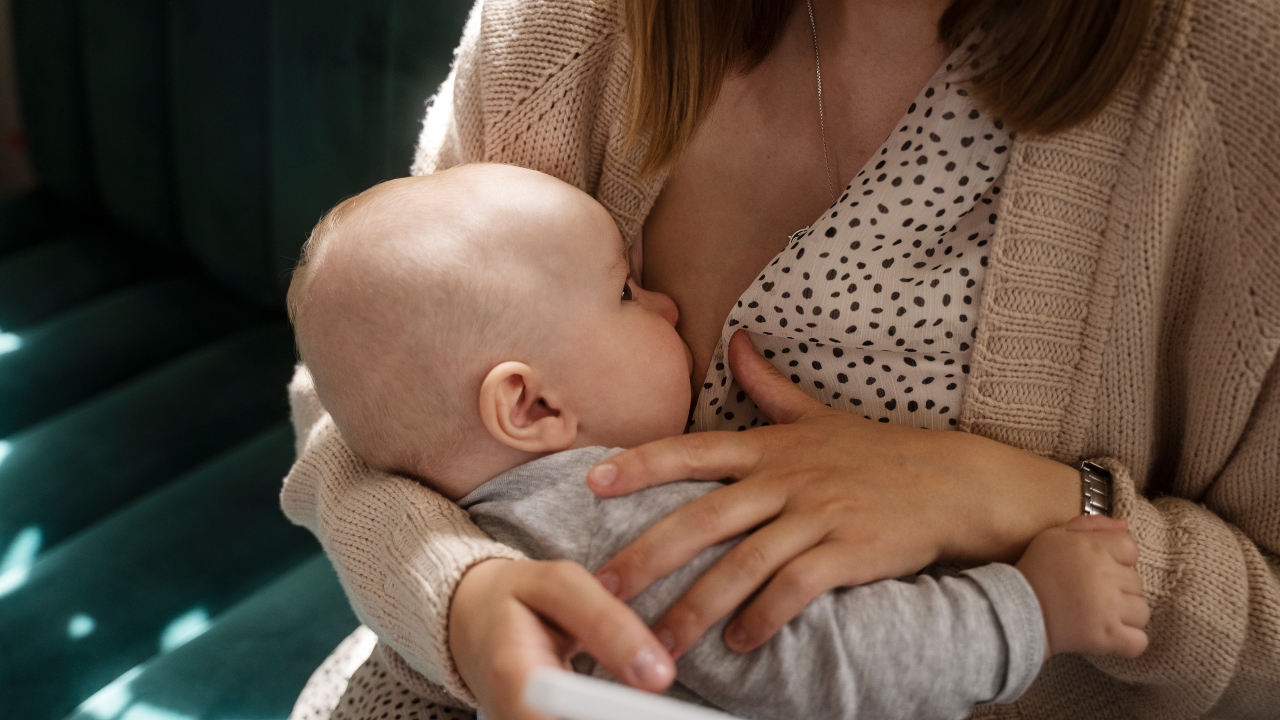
(1095, 489)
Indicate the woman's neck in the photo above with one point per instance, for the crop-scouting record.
(879, 29)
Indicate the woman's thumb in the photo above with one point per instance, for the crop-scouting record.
(773, 393)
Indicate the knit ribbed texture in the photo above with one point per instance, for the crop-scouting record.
(1131, 314)
(399, 549)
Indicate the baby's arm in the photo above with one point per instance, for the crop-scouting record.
(919, 648)
(926, 648)
(916, 648)
(1084, 575)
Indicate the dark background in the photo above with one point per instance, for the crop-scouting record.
(161, 162)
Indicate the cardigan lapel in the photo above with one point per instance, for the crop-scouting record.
(1056, 259)
(1046, 306)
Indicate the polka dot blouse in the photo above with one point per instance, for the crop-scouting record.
(873, 308)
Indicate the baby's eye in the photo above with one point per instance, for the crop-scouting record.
(626, 292)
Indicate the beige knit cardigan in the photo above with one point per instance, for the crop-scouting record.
(1131, 314)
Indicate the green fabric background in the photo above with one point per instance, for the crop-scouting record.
(186, 148)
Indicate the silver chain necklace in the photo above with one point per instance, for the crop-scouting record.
(822, 120)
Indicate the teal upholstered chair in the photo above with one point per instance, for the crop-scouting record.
(185, 148)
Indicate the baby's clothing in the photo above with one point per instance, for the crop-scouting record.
(922, 647)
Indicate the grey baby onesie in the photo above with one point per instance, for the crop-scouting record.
(920, 647)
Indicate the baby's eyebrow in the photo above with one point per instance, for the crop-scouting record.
(621, 266)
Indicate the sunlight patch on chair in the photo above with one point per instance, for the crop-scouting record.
(9, 342)
(184, 628)
(80, 626)
(6, 447)
(16, 564)
(143, 711)
(110, 701)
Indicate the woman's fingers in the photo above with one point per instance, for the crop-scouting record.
(692, 528)
(732, 580)
(787, 594)
(774, 394)
(509, 617)
(697, 456)
(496, 640)
(529, 644)
(567, 595)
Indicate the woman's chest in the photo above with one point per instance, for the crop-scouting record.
(710, 233)
(746, 183)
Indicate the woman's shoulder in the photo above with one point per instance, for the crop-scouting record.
(533, 41)
(1222, 65)
(1232, 46)
(572, 16)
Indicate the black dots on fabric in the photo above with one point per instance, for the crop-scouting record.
(919, 254)
(373, 694)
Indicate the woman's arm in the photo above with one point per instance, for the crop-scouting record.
(1210, 571)
(417, 572)
(1212, 577)
(413, 565)
(838, 501)
(398, 548)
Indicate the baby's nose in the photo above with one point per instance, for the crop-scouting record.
(661, 304)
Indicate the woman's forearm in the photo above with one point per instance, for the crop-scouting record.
(1004, 497)
(399, 548)
(830, 499)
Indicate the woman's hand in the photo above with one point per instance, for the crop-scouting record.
(834, 500)
(511, 616)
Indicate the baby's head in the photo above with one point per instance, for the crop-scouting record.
(462, 323)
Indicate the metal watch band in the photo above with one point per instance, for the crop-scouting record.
(1095, 486)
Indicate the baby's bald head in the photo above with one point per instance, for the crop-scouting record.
(407, 294)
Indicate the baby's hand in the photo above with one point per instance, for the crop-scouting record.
(1091, 595)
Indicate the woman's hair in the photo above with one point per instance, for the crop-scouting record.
(1048, 64)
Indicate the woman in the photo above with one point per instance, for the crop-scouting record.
(1119, 304)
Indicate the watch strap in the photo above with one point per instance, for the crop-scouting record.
(1095, 487)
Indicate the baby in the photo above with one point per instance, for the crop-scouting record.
(477, 329)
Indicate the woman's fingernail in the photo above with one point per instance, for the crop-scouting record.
(651, 668)
(609, 579)
(736, 638)
(667, 638)
(603, 475)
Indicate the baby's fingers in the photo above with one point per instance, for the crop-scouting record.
(1134, 612)
(1097, 523)
(1122, 548)
(1128, 580)
(1128, 642)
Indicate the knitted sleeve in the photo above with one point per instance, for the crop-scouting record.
(1212, 577)
(1211, 564)
(399, 548)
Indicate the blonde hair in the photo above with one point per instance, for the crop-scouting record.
(1053, 64)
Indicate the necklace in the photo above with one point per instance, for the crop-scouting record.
(822, 121)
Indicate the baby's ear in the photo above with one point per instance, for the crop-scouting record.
(518, 413)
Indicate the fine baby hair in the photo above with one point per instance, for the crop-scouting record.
(402, 294)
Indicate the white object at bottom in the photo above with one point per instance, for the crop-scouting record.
(569, 696)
